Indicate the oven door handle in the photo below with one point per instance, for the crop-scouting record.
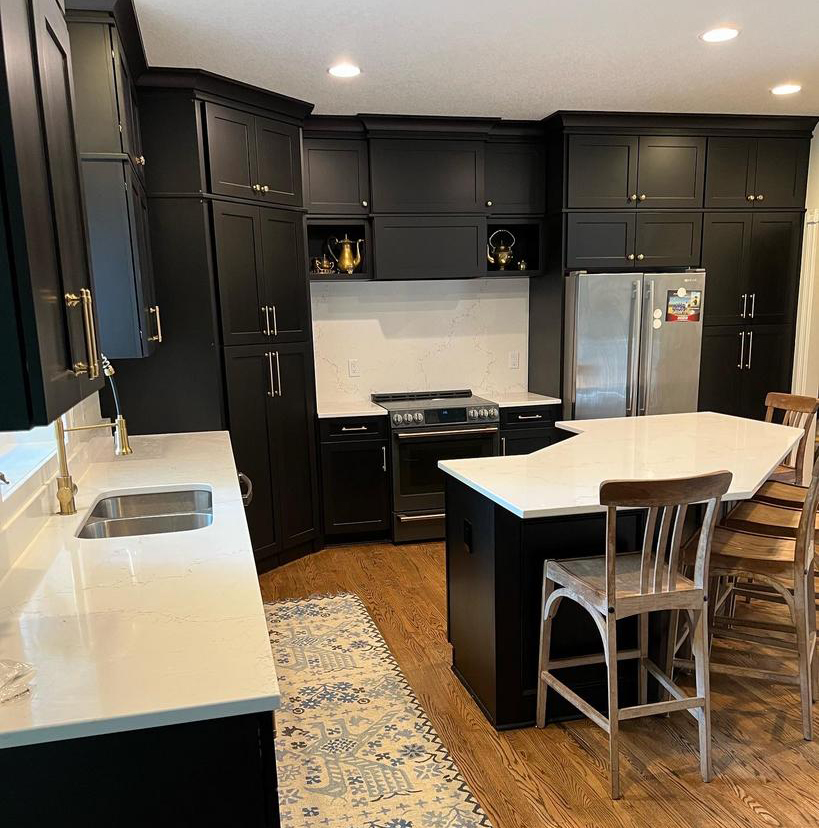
(417, 435)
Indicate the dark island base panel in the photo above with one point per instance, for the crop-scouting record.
(208, 774)
(494, 583)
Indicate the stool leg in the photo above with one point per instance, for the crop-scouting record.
(614, 723)
(545, 641)
(643, 677)
(699, 642)
(800, 602)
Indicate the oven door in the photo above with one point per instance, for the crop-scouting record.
(418, 483)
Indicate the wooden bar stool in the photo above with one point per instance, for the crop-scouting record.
(799, 413)
(785, 566)
(615, 586)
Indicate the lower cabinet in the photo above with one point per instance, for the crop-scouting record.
(530, 428)
(271, 416)
(355, 480)
(740, 365)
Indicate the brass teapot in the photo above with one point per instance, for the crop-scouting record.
(322, 265)
(346, 261)
(500, 255)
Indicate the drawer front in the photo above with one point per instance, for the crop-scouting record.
(530, 416)
(352, 428)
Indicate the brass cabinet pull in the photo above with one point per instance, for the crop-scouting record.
(157, 337)
(753, 305)
(633, 197)
(760, 197)
(750, 349)
(640, 256)
(266, 312)
(741, 349)
(264, 188)
(257, 188)
(90, 333)
(630, 257)
(642, 196)
(365, 203)
(272, 391)
(140, 160)
(71, 301)
(751, 197)
(275, 323)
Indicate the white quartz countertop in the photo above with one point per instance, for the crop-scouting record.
(565, 478)
(128, 633)
(350, 408)
(516, 399)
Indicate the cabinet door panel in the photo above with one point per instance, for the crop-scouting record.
(126, 98)
(285, 282)
(355, 489)
(720, 374)
(438, 247)
(242, 292)
(669, 239)
(527, 440)
(143, 265)
(773, 274)
(247, 374)
(231, 151)
(337, 176)
(729, 177)
(515, 178)
(726, 253)
(295, 447)
(670, 171)
(602, 171)
(767, 366)
(427, 176)
(781, 172)
(277, 148)
(599, 240)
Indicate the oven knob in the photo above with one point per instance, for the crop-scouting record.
(473, 413)
(493, 412)
(484, 413)
(408, 418)
(419, 417)
(397, 419)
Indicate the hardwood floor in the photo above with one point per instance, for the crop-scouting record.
(765, 773)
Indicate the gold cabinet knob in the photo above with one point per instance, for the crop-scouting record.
(630, 257)
(256, 187)
(642, 196)
(365, 203)
(140, 160)
(488, 203)
(751, 197)
(633, 197)
(265, 188)
(640, 257)
(760, 197)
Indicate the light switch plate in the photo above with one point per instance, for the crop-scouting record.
(514, 360)
(353, 369)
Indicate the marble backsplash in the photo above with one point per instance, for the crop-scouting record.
(410, 336)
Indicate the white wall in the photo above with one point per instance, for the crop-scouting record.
(411, 336)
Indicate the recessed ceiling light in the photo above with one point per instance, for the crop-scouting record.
(786, 89)
(344, 70)
(720, 34)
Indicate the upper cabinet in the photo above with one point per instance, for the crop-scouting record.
(48, 334)
(113, 167)
(614, 171)
(515, 180)
(757, 172)
(422, 175)
(252, 157)
(337, 177)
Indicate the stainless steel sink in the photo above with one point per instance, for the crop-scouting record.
(149, 513)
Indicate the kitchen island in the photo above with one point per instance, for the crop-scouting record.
(154, 680)
(506, 515)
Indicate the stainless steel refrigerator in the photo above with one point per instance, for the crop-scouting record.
(632, 343)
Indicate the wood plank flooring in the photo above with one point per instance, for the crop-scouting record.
(766, 774)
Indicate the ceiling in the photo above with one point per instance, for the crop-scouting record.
(508, 58)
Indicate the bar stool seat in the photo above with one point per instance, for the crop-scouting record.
(787, 495)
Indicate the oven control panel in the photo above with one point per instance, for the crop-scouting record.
(445, 416)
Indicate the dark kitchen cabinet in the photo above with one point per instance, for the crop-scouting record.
(515, 178)
(355, 481)
(527, 440)
(336, 176)
(740, 365)
(259, 262)
(253, 157)
(752, 261)
(525, 429)
(430, 247)
(427, 176)
(630, 239)
(668, 239)
(271, 415)
(613, 171)
(113, 165)
(50, 360)
(757, 172)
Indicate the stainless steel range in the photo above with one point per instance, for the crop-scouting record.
(429, 426)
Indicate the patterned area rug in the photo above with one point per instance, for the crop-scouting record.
(354, 748)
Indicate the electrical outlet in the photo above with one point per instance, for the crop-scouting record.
(353, 368)
(514, 360)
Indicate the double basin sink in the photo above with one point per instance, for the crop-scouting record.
(149, 513)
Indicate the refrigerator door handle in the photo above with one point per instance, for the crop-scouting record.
(648, 345)
(634, 348)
